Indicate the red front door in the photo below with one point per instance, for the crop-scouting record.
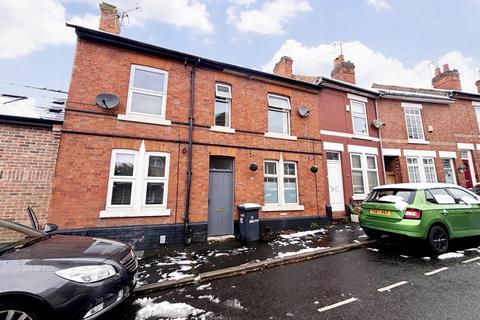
(468, 174)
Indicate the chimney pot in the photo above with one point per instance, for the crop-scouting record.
(447, 80)
(284, 67)
(109, 18)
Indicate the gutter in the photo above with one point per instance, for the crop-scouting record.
(190, 151)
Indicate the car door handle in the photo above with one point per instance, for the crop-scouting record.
(445, 212)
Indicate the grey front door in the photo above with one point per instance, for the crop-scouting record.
(220, 197)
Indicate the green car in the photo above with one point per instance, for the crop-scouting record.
(435, 212)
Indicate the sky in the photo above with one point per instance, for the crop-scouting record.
(390, 42)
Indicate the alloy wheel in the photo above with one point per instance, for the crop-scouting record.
(14, 315)
(438, 239)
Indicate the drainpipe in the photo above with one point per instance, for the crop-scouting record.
(188, 238)
(381, 144)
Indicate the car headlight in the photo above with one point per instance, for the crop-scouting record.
(87, 274)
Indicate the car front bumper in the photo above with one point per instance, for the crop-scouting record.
(414, 228)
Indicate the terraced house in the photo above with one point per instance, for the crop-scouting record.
(185, 139)
(431, 135)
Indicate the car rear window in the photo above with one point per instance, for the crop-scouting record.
(407, 195)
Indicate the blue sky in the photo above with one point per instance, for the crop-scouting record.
(393, 42)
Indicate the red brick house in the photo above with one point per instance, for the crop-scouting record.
(192, 138)
(29, 139)
(431, 135)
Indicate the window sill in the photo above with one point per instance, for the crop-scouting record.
(144, 119)
(222, 129)
(279, 136)
(291, 207)
(359, 197)
(418, 141)
(132, 214)
(364, 137)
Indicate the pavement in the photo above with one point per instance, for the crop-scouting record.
(391, 279)
(173, 265)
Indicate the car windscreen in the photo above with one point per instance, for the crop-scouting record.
(14, 235)
(404, 194)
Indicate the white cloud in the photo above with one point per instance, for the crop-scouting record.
(269, 18)
(378, 4)
(371, 66)
(29, 26)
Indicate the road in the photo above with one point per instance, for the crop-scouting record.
(395, 282)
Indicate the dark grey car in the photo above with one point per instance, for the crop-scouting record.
(46, 276)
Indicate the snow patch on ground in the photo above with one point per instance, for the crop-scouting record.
(450, 255)
(211, 298)
(303, 234)
(205, 287)
(426, 258)
(292, 253)
(175, 275)
(149, 308)
(373, 249)
(234, 303)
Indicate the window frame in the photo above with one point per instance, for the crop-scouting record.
(132, 89)
(113, 178)
(421, 169)
(280, 176)
(357, 115)
(147, 179)
(364, 170)
(416, 108)
(285, 110)
(223, 98)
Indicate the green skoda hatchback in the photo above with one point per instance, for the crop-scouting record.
(434, 212)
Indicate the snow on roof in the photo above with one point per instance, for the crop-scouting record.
(415, 186)
(435, 94)
(31, 103)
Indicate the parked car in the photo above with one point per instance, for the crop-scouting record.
(50, 276)
(434, 212)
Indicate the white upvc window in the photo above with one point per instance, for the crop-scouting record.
(280, 183)
(138, 184)
(278, 114)
(477, 112)
(223, 97)
(421, 169)
(413, 121)
(147, 92)
(364, 173)
(359, 117)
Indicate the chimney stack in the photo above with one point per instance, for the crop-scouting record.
(343, 70)
(477, 83)
(447, 80)
(284, 67)
(109, 18)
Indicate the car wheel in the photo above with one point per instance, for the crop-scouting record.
(372, 234)
(15, 311)
(438, 239)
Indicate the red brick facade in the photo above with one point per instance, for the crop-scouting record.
(28, 156)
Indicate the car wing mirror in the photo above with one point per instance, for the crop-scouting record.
(33, 218)
(49, 228)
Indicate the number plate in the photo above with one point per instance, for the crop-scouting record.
(377, 212)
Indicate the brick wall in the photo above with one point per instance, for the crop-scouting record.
(90, 133)
(27, 163)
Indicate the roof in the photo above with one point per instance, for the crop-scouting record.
(31, 104)
(414, 94)
(308, 82)
(415, 186)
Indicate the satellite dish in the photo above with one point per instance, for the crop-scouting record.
(303, 111)
(377, 123)
(107, 100)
